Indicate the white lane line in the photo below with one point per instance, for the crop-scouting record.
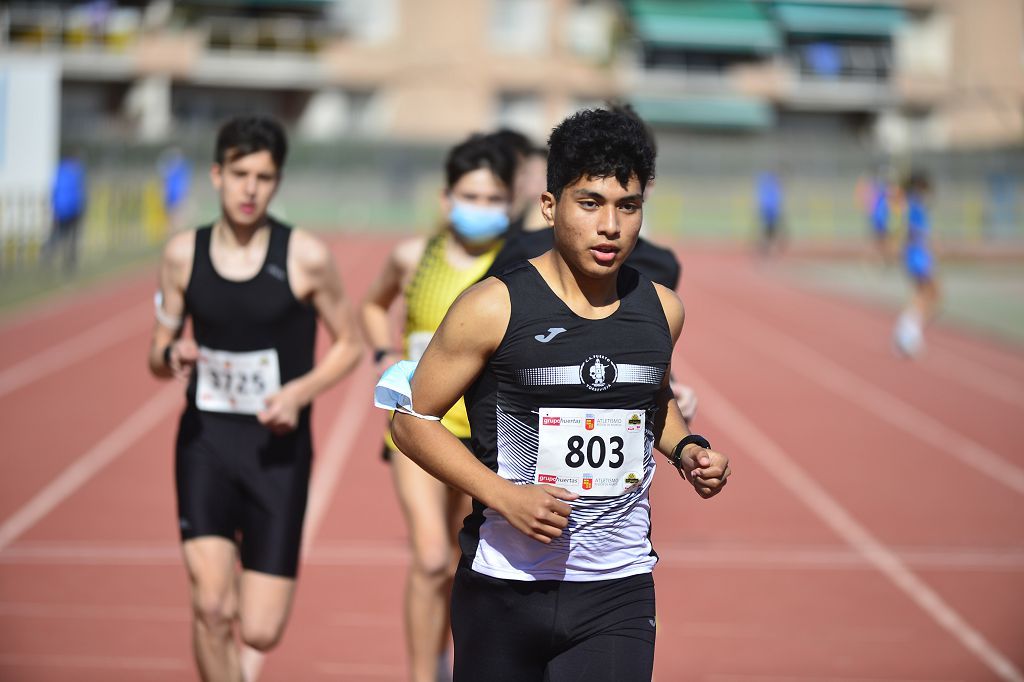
(92, 662)
(821, 370)
(758, 445)
(95, 612)
(328, 469)
(73, 350)
(946, 363)
(869, 332)
(396, 553)
(363, 671)
(112, 446)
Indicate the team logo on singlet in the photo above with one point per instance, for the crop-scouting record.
(598, 373)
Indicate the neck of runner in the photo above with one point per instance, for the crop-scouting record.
(235, 235)
(586, 295)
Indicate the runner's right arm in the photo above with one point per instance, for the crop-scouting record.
(457, 354)
(169, 354)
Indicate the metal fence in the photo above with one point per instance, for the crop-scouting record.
(704, 190)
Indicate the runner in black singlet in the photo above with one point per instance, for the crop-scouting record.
(564, 363)
(253, 289)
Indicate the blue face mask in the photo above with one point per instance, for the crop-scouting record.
(393, 392)
(477, 224)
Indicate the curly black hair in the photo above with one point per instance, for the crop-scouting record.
(244, 135)
(598, 143)
(480, 151)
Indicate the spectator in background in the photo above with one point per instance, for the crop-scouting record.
(908, 336)
(175, 176)
(67, 202)
(878, 197)
(769, 210)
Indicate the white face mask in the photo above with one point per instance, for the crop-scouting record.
(393, 390)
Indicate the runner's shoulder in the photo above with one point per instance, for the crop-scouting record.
(673, 307)
(407, 253)
(309, 252)
(180, 250)
(484, 307)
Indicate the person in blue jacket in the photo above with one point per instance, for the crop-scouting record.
(908, 335)
(67, 203)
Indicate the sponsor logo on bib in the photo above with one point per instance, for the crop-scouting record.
(547, 478)
(589, 422)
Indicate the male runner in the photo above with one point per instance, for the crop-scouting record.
(254, 289)
(564, 363)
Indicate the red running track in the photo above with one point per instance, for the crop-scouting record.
(874, 529)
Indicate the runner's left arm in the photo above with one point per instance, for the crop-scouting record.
(706, 469)
(316, 279)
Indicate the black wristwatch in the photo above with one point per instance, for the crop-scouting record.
(677, 451)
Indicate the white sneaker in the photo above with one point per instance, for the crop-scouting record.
(908, 337)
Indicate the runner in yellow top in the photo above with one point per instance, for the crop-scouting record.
(435, 285)
(432, 272)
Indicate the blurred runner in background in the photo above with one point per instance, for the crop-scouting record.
(431, 272)
(253, 288)
(908, 335)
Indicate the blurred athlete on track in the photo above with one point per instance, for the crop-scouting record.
(253, 289)
(431, 272)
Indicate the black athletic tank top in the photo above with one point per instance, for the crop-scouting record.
(255, 314)
(552, 358)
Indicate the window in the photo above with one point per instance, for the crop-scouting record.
(520, 26)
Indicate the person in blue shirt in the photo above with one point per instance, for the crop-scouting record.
(908, 335)
(769, 210)
(67, 202)
(879, 199)
(176, 175)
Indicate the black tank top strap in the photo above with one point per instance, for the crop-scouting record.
(202, 265)
(277, 249)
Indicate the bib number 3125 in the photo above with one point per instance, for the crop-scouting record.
(238, 383)
(591, 452)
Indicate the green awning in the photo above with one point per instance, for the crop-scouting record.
(839, 19)
(732, 26)
(706, 112)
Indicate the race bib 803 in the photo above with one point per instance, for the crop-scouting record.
(236, 382)
(591, 452)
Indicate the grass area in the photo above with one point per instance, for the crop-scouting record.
(23, 288)
(983, 296)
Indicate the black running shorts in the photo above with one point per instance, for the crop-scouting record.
(237, 480)
(552, 631)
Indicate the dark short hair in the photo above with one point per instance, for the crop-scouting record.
(598, 143)
(517, 143)
(917, 181)
(244, 135)
(476, 152)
